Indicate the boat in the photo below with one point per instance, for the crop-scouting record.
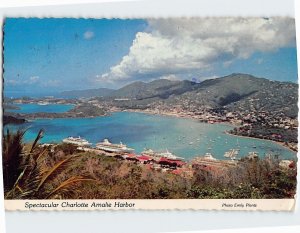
(169, 155)
(252, 155)
(157, 155)
(77, 141)
(43, 103)
(232, 154)
(149, 152)
(209, 156)
(237, 143)
(106, 145)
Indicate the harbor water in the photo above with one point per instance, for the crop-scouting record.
(186, 138)
(48, 108)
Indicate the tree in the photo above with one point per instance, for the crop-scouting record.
(26, 174)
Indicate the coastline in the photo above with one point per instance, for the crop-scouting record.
(278, 143)
(150, 112)
(222, 123)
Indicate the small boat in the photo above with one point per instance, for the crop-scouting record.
(209, 156)
(43, 103)
(252, 155)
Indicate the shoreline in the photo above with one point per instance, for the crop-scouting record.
(278, 143)
(166, 114)
(222, 123)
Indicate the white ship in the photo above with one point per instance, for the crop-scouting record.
(149, 152)
(157, 155)
(169, 155)
(110, 147)
(252, 155)
(43, 103)
(231, 154)
(209, 156)
(77, 141)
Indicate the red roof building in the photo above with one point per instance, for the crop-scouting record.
(177, 163)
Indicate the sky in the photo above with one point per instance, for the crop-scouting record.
(45, 56)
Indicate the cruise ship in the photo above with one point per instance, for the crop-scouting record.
(169, 155)
(116, 148)
(77, 141)
(157, 155)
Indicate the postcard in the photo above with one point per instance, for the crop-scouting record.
(150, 113)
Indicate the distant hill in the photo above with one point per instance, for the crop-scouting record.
(100, 92)
(236, 92)
(243, 92)
(161, 88)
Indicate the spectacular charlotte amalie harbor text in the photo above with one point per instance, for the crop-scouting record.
(66, 204)
(226, 204)
(119, 204)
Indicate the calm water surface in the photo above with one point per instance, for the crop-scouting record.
(184, 137)
(49, 108)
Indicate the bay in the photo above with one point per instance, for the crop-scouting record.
(49, 108)
(184, 137)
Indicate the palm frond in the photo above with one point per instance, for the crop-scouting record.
(12, 154)
(54, 171)
(68, 185)
(38, 137)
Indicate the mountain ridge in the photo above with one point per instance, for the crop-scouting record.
(234, 91)
(87, 93)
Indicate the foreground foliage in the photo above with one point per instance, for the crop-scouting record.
(64, 172)
(27, 174)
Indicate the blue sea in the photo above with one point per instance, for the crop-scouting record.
(49, 108)
(184, 137)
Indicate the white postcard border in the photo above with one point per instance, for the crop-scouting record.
(153, 204)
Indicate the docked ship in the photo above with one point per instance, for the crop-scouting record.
(169, 155)
(231, 154)
(77, 141)
(116, 148)
(209, 156)
(149, 152)
(157, 155)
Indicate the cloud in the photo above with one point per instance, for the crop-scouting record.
(17, 82)
(51, 83)
(12, 82)
(187, 47)
(88, 35)
(33, 81)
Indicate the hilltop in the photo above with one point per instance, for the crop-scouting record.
(259, 107)
(161, 88)
(86, 93)
(235, 92)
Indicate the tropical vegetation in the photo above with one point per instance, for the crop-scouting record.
(35, 171)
